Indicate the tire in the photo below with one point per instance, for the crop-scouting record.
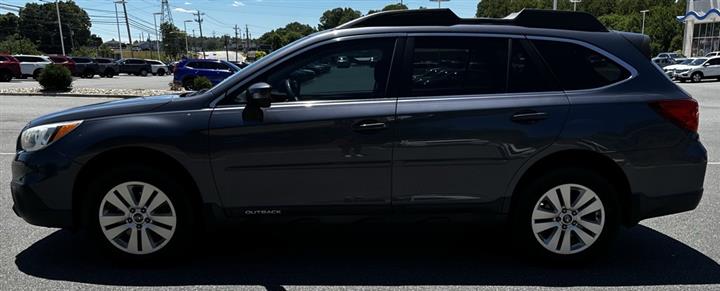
(89, 74)
(114, 217)
(161, 72)
(188, 83)
(542, 224)
(696, 77)
(36, 73)
(5, 76)
(143, 73)
(109, 73)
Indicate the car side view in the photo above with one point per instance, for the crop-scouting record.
(185, 72)
(544, 121)
(699, 69)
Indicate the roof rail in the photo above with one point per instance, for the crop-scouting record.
(536, 18)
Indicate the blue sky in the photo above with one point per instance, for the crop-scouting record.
(221, 15)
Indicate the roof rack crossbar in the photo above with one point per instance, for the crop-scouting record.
(535, 18)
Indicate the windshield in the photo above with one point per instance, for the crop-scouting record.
(685, 62)
(698, 62)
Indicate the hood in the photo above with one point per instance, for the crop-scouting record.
(117, 107)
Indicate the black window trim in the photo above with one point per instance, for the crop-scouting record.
(619, 61)
(410, 46)
(399, 39)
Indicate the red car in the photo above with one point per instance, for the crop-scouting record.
(9, 68)
(65, 61)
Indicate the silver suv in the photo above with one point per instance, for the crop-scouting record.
(701, 68)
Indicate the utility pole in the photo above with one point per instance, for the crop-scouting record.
(554, 4)
(117, 19)
(643, 22)
(200, 21)
(575, 2)
(237, 43)
(62, 40)
(157, 36)
(247, 39)
(187, 49)
(227, 53)
(127, 25)
(165, 12)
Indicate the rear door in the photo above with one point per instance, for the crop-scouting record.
(475, 110)
(713, 68)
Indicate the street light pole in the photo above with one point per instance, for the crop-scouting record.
(157, 37)
(575, 2)
(62, 40)
(439, 2)
(118, 29)
(643, 21)
(554, 4)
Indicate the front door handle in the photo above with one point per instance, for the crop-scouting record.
(529, 116)
(369, 125)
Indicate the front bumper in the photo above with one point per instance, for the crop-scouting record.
(41, 188)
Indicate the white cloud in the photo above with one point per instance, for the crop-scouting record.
(237, 4)
(188, 3)
(183, 10)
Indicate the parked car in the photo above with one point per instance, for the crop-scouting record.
(32, 66)
(712, 54)
(670, 70)
(560, 129)
(107, 67)
(66, 62)
(215, 70)
(137, 67)
(9, 68)
(701, 68)
(85, 67)
(666, 59)
(158, 67)
(239, 64)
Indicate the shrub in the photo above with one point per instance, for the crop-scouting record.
(55, 78)
(201, 83)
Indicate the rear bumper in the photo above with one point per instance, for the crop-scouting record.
(644, 207)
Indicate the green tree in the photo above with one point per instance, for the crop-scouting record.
(282, 36)
(8, 25)
(17, 45)
(38, 23)
(84, 51)
(173, 40)
(335, 17)
(105, 51)
(396, 6)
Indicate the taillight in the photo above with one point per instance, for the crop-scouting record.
(684, 113)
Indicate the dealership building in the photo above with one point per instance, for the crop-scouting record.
(702, 27)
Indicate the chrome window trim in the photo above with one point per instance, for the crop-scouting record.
(279, 62)
(315, 103)
(633, 72)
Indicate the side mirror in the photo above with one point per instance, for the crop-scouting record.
(258, 95)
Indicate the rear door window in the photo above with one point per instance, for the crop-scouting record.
(577, 67)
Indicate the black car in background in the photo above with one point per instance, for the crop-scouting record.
(107, 67)
(137, 67)
(85, 67)
(545, 122)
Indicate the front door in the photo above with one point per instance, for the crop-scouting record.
(326, 140)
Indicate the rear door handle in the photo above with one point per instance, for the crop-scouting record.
(369, 125)
(529, 116)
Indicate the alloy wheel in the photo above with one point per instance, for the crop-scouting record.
(568, 219)
(137, 218)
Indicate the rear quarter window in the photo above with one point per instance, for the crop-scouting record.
(577, 67)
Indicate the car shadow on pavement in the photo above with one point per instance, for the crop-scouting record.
(373, 255)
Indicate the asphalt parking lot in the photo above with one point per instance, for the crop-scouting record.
(117, 82)
(677, 252)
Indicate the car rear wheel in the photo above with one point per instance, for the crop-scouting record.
(109, 73)
(138, 213)
(161, 72)
(5, 76)
(188, 83)
(143, 73)
(566, 215)
(37, 73)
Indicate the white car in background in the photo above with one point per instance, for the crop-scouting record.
(158, 67)
(670, 70)
(713, 54)
(699, 69)
(32, 66)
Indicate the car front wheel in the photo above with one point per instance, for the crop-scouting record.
(696, 77)
(567, 215)
(138, 213)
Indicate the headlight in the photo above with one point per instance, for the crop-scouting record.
(39, 137)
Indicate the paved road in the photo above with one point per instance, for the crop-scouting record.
(118, 82)
(678, 252)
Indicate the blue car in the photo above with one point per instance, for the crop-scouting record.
(215, 70)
